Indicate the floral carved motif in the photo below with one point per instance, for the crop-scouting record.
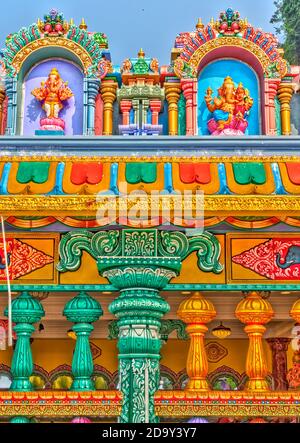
(215, 352)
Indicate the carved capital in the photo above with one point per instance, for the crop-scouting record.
(139, 248)
(155, 105)
(285, 93)
(271, 87)
(172, 91)
(108, 92)
(279, 344)
(188, 88)
(125, 106)
(92, 90)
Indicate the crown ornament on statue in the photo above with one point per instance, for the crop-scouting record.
(54, 71)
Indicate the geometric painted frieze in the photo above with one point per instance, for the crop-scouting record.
(275, 259)
(96, 351)
(215, 352)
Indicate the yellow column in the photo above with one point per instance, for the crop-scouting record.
(255, 311)
(172, 92)
(285, 93)
(108, 93)
(196, 312)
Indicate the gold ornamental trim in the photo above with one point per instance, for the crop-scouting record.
(220, 409)
(228, 410)
(49, 42)
(153, 158)
(167, 404)
(221, 205)
(61, 410)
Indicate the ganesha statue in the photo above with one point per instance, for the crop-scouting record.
(229, 109)
(52, 93)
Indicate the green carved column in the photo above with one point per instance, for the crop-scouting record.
(139, 309)
(139, 263)
(25, 312)
(82, 310)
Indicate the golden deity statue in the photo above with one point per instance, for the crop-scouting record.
(52, 93)
(229, 109)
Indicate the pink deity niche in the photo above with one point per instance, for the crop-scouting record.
(52, 93)
(229, 109)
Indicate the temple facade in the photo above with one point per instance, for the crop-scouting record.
(150, 227)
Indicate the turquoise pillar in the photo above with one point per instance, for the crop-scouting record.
(82, 310)
(139, 310)
(91, 90)
(25, 312)
(11, 92)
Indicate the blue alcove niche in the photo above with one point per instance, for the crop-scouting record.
(213, 76)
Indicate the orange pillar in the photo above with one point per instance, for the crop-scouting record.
(189, 89)
(125, 106)
(155, 107)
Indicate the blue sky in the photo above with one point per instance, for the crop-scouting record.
(131, 24)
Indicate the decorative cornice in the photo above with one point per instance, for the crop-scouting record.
(180, 158)
(160, 146)
(143, 91)
(295, 287)
(217, 204)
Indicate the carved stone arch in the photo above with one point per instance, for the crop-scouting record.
(228, 47)
(54, 47)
